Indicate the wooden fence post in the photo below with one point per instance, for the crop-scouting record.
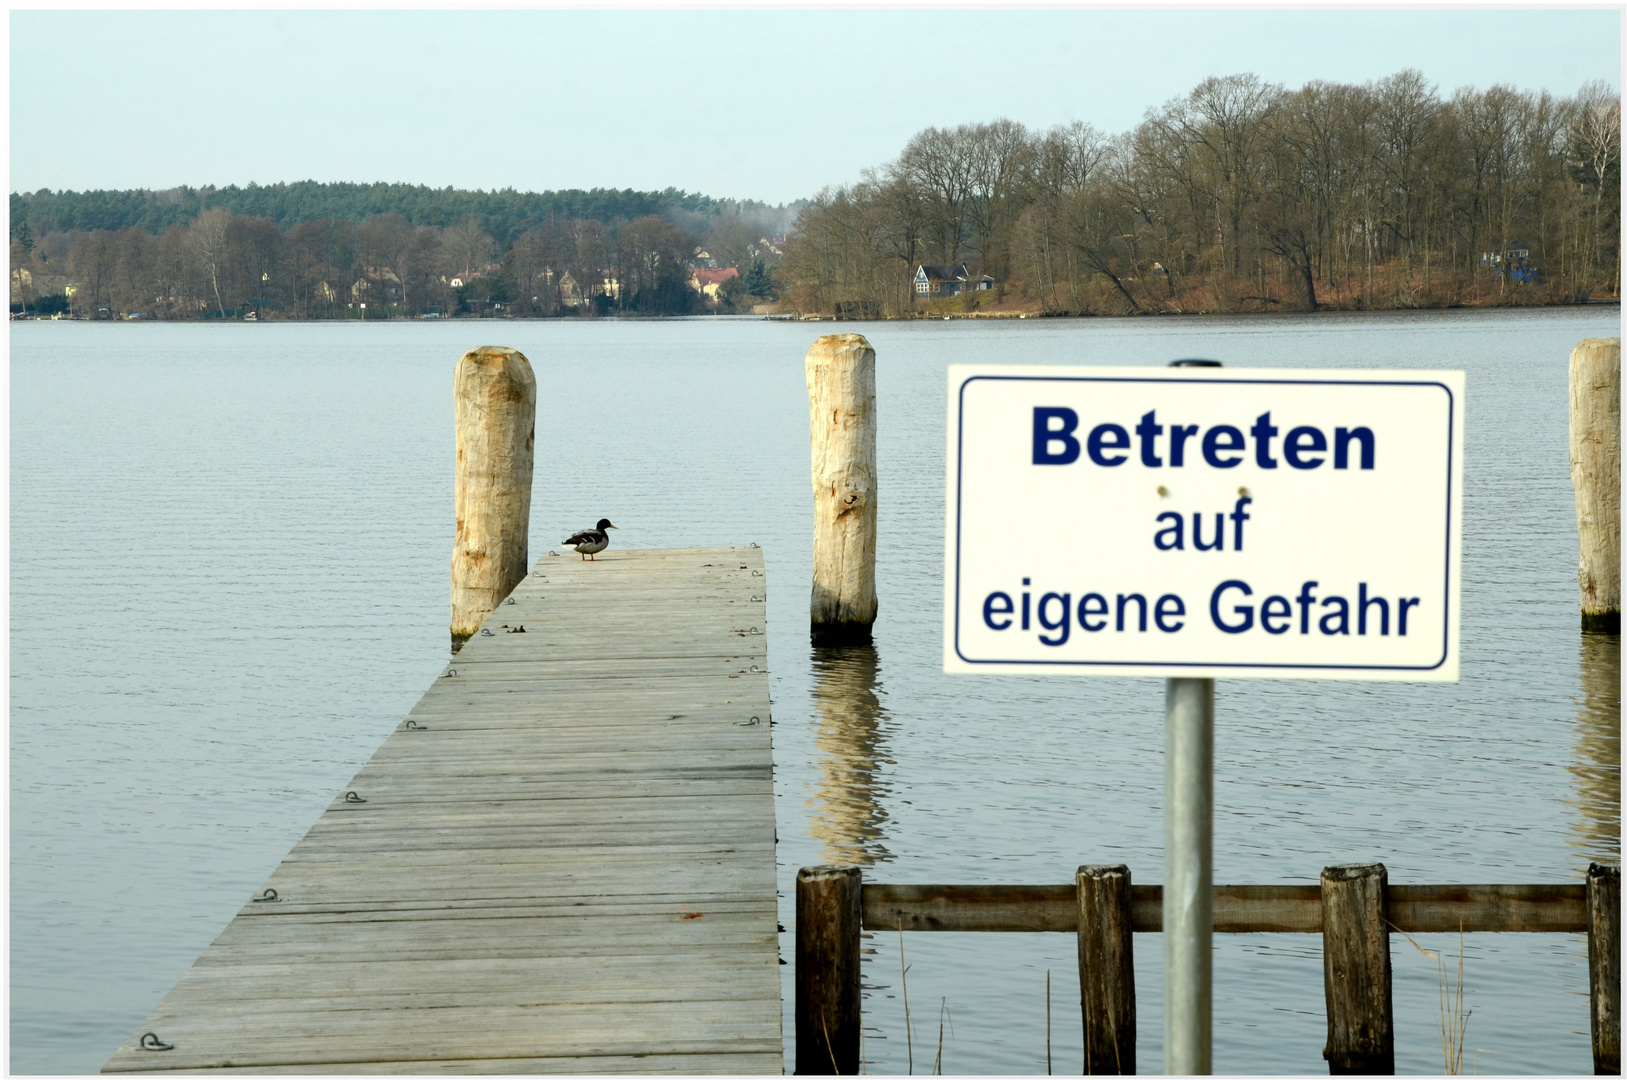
(1356, 970)
(1604, 966)
(841, 372)
(1107, 974)
(494, 403)
(1595, 384)
(829, 912)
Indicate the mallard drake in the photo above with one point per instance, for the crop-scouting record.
(591, 541)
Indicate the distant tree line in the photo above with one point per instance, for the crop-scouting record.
(1240, 195)
(116, 254)
(504, 214)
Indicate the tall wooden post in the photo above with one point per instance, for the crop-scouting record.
(1596, 475)
(841, 370)
(1604, 966)
(1356, 970)
(494, 402)
(829, 912)
(1107, 974)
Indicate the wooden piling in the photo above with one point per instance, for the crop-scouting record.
(1604, 966)
(841, 372)
(494, 399)
(1356, 971)
(1107, 977)
(829, 900)
(1595, 429)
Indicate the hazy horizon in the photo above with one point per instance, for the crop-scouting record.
(711, 102)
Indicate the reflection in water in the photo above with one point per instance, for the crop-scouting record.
(1597, 767)
(848, 815)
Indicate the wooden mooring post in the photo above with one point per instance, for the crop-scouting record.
(494, 403)
(1356, 971)
(1595, 447)
(1354, 908)
(841, 372)
(828, 996)
(1604, 966)
(1107, 973)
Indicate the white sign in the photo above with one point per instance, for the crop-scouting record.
(1203, 522)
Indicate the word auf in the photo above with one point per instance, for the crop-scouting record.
(1172, 537)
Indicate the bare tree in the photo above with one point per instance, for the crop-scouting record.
(533, 266)
(593, 256)
(208, 237)
(654, 266)
(938, 165)
(385, 246)
(1593, 157)
(322, 258)
(1001, 163)
(466, 247)
(256, 261)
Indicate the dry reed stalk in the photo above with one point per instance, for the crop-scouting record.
(1454, 1020)
(943, 1012)
(904, 980)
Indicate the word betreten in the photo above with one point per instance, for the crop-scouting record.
(1230, 610)
(1222, 446)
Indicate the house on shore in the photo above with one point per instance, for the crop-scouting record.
(935, 281)
(1515, 260)
(708, 282)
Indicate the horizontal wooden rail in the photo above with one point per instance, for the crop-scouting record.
(1354, 908)
(1239, 909)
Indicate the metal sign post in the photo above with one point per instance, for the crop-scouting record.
(1189, 862)
(1194, 524)
(1189, 858)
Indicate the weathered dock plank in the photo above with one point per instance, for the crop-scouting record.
(564, 862)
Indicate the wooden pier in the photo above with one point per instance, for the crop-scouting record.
(562, 861)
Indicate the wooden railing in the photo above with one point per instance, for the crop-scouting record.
(1354, 909)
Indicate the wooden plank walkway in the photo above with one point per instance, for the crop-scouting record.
(564, 863)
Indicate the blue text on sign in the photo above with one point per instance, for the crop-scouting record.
(1222, 446)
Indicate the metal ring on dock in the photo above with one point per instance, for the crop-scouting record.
(268, 897)
(151, 1041)
(413, 725)
(485, 633)
(351, 796)
(451, 673)
(755, 630)
(756, 599)
(510, 600)
(753, 722)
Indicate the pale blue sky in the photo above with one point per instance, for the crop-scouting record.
(768, 105)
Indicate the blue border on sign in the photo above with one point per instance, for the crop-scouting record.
(1446, 600)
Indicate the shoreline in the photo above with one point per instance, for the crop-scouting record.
(793, 317)
(1025, 315)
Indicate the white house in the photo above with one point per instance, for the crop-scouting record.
(949, 280)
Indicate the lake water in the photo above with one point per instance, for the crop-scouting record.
(229, 559)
